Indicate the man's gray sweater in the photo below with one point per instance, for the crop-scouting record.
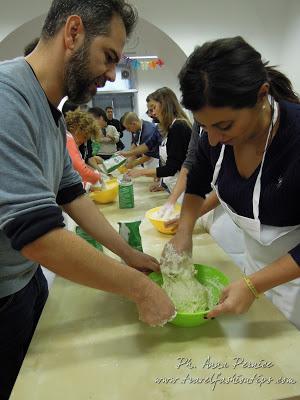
(35, 168)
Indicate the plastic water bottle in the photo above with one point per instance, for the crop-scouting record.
(126, 195)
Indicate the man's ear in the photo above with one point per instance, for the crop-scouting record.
(73, 32)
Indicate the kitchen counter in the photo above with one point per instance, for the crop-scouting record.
(89, 344)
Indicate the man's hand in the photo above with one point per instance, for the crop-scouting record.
(142, 261)
(154, 307)
(235, 299)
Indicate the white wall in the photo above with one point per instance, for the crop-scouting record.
(191, 22)
(152, 41)
(290, 51)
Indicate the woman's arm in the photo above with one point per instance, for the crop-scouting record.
(151, 172)
(137, 161)
(87, 174)
(238, 297)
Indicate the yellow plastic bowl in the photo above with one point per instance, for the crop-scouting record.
(159, 224)
(107, 195)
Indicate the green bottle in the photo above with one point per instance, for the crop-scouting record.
(126, 195)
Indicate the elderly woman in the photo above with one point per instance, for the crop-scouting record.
(81, 127)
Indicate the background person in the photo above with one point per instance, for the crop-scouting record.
(116, 123)
(176, 129)
(104, 144)
(81, 127)
(142, 131)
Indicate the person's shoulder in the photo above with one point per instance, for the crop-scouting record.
(290, 116)
(149, 126)
(181, 125)
(16, 77)
(13, 72)
(147, 123)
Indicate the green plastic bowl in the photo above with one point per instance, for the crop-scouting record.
(209, 277)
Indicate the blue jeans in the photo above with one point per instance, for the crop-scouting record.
(19, 315)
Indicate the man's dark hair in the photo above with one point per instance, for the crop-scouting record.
(31, 46)
(108, 108)
(96, 16)
(69, 106)
(98, 112)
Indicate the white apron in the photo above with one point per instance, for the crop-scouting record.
(265, 244)
(169, 181)
(152, 162)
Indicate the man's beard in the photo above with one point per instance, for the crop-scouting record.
(77, 76)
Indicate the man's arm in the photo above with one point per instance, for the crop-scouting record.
(84, 212)
(72, 258)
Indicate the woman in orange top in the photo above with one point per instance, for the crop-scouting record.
(81, 127)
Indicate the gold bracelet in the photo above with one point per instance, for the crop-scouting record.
(251, 287)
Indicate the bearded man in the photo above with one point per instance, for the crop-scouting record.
(80, 45)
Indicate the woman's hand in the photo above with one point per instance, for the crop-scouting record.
(172, 223)
(235, 299)
(130, 164)
(181, 243)
(156, 187)
(97, 159)
(124, 153)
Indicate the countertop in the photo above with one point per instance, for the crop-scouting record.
(90, 345)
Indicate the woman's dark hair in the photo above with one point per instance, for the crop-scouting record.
(229, 73)
(98, 112)
(96, 16)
